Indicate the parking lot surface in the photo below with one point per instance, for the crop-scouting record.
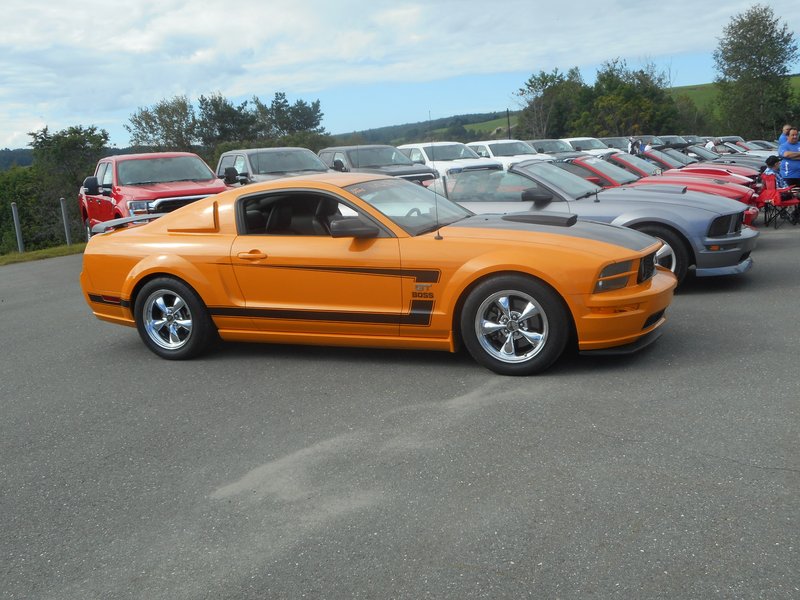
(261, 471)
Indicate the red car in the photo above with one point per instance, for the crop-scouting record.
(157, 182)
(605, 174)
(666, 162)
(728, 173)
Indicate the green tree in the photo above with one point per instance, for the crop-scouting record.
(61, 161)
(540, 96)
(553, 101)
(279, 118)
(219, 120)
(167, 125)
(625, 102)
(752, 62)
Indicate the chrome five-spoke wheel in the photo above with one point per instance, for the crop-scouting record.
(510, 326)
(167, 319)
(172, 320)
(514, 324)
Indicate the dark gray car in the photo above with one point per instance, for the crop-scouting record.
(699, 230)
(378, 159)
(263, 164)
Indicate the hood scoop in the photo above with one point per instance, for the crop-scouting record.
(558, 220)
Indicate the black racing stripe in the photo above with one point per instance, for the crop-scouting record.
(419, 275)
(420, 314)
(588, 230)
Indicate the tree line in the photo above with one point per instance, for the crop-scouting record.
(754, 99)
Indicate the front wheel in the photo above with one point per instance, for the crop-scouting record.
(673, 254)
(87, 229)
(172, 320)
(514, 325)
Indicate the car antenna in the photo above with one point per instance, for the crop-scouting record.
(438, 235)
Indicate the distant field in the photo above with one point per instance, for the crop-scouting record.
(705, 94)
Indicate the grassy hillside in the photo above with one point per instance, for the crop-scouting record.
(705, 94)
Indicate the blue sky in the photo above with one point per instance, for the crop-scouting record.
(370, 64)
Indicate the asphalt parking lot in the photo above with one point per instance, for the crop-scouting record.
(293, 472)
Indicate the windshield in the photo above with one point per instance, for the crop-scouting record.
(587, 144)
(449, 152)
(612, 172)
(140, 171)
(548, 146)
(553, 176)
(679, 156)
(703, 153)
(620, 143)
(414, 208)
(636, 162)
(511, 149)
(285, 161)
(382, 156)
(658, 155)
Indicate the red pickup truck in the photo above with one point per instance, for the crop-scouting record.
(130, 184)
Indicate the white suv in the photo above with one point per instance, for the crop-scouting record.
(508, 152)
(447, 157)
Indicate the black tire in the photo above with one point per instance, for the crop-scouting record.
(674, 255)
(172, 320)
(87, 229)
(514, 325)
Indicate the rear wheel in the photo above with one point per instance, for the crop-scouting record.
(172, 320)
(673, 254)
(514, 325)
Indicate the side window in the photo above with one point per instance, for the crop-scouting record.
(416, 156)
(224, 163)
(327, 158)
(340, 156)
(240, 164)
(101, 171)
(481, 151)
(108, 176)
(293, 214)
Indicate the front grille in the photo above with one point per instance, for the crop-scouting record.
(647, 267)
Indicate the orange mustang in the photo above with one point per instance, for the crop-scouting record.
(366, 260)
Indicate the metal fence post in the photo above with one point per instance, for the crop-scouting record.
(66, 222)
(17, 228)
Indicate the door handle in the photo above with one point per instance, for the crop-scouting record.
(252, 255)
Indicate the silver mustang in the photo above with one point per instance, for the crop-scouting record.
(700, 231)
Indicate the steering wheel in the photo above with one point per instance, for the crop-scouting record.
(414, 211)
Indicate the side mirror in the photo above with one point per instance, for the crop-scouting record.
(595, 180)
(91, 186)
(231, 176)
(353, 227)
(338, 165)
(539, 198)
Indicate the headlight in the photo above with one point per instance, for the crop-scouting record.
(614, 277)
(137, 207)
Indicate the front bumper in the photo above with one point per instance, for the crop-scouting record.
(726, 255)
(626, 319)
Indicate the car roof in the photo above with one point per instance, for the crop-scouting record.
(262, 150)
(356, 146)
(428, 144)
(142, 155)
